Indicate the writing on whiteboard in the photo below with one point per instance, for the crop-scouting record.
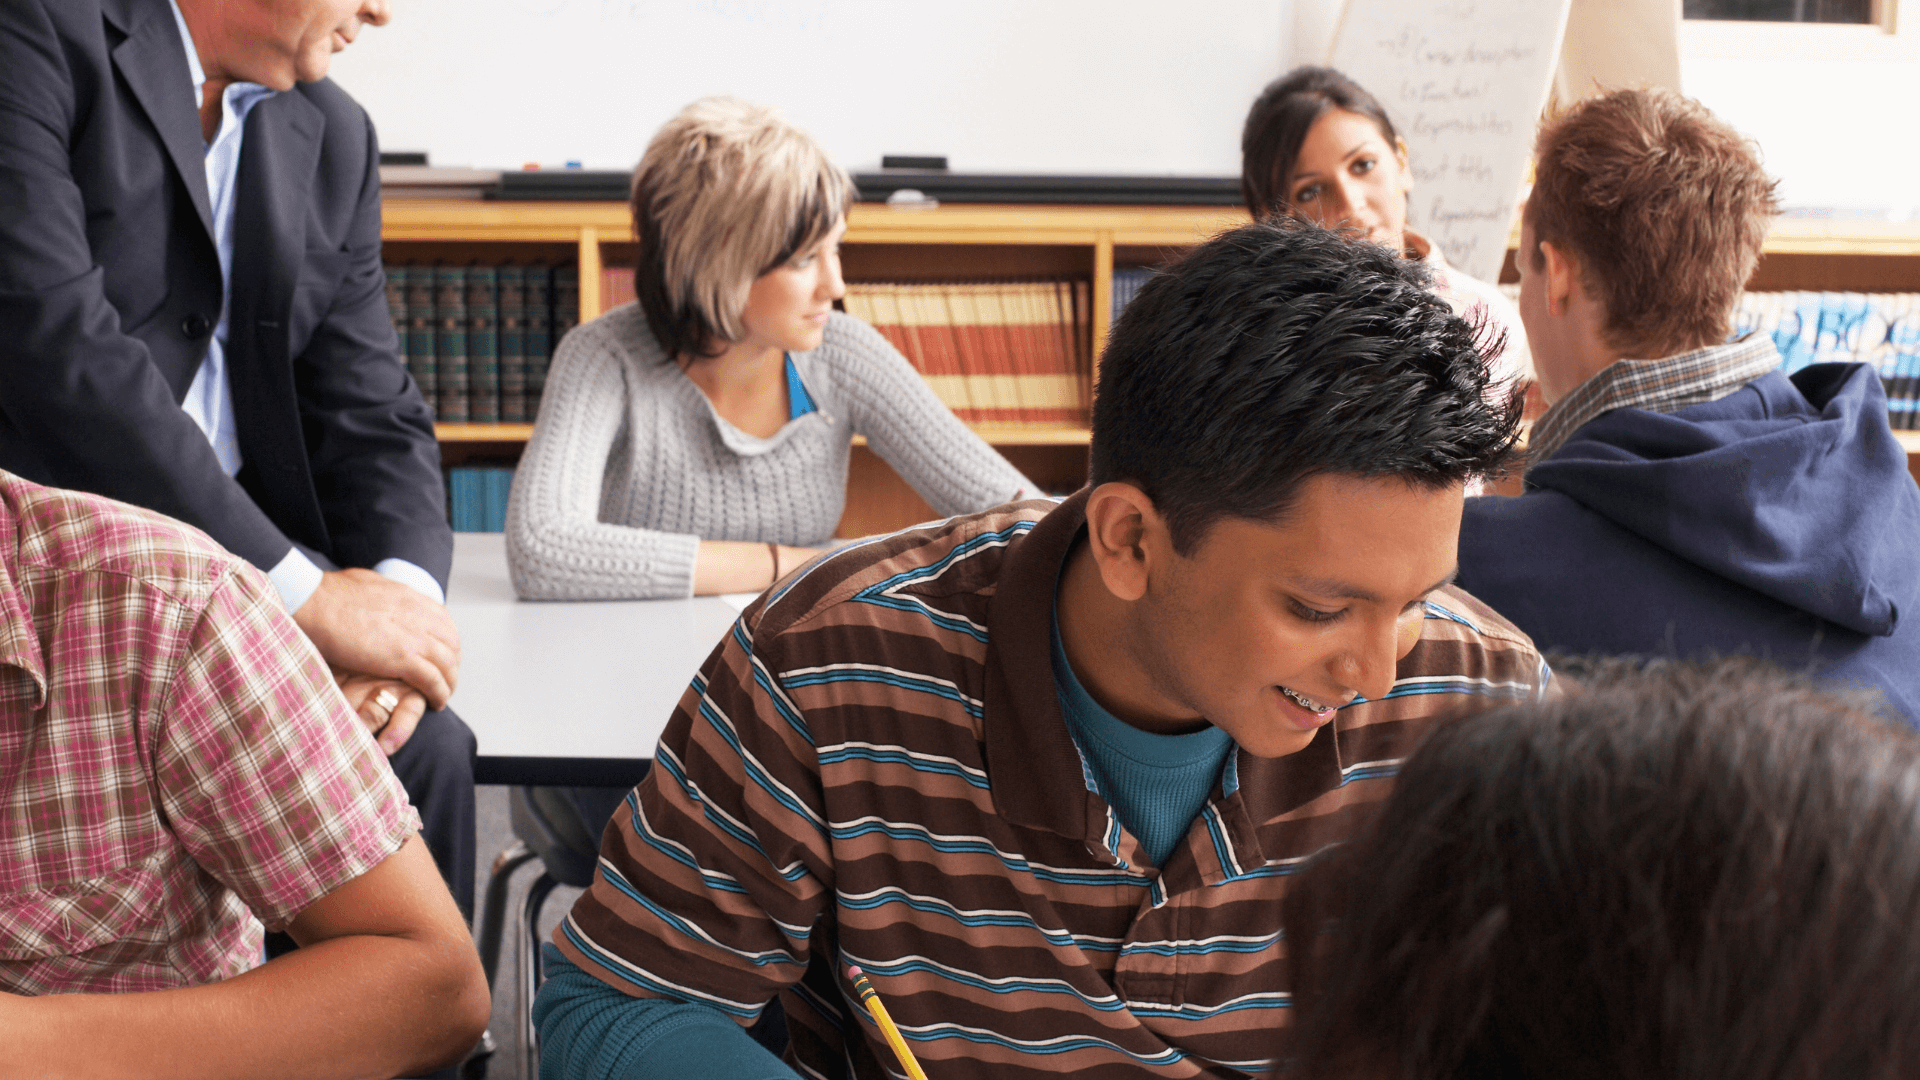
(1464, 82)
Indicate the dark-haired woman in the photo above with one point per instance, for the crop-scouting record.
(697, 442)
(1318, 146)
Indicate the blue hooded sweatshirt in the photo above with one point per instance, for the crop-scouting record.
(1779, 521)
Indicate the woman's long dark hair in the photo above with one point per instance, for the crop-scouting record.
(1278, 123)
(1677, 871)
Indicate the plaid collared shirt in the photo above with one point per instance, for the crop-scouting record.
(175, 760)
(1662, 386)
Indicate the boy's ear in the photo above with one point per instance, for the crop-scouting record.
(1562, 272)
(1125, 535)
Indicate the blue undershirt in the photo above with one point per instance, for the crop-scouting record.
(1157, 784)
(209, 400)
(799, 402)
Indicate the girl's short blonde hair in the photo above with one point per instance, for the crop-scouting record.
(725, 192)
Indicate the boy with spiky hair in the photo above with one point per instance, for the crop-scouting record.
(1042, 772)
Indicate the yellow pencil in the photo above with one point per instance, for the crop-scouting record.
(879, 1012)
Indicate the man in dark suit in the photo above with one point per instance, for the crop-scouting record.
(192, 319)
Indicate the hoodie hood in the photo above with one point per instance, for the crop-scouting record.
(1792, 486)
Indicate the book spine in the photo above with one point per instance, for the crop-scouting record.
(616, 287)
(1056, 394)
(566, 301)
(483, 344)
(513, 345)
(450, 341)
(1006, 353)
(1083, 333)
(986, 353)
(460, 498)
(539, 347)
(566, 316)
(499, 486)
(1905, 335)
(1060, 305)
(940, 340)
(422, 350)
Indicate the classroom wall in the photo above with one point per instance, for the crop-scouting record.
(1838, 133)
(1090, 86)
(1831, 107)
(1069, 86)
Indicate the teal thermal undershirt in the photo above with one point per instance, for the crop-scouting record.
(1156, 783)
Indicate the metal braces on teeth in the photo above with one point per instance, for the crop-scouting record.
(1305, 702)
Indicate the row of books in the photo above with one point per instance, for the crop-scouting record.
(477, 497)
(478, 339)
(1879, 329)
(1013, 352)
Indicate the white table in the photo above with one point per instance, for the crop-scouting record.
(568, 693)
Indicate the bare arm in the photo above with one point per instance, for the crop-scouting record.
(386, 983)
(725, 566)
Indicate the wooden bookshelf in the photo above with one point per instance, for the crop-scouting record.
(959, 241)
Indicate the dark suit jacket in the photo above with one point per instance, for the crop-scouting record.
(110, 286)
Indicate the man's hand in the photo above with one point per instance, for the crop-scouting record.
(364, 623)
(390, 708)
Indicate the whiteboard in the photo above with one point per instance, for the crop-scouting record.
(1027, 86)
(1464, 82)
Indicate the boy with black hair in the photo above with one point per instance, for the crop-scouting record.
(1629, 832)
(1042, 772)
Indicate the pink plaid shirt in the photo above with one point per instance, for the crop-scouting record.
(176, 765)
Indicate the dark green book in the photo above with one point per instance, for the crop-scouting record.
(539, 333)
(513, 345)
(422, 356)
(483, 345)
(566, 316)
(450, 340)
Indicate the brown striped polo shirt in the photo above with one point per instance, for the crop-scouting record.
(873, 769)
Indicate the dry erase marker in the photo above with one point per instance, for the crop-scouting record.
(879, 1013)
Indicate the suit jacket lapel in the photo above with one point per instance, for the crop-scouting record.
(270, 210)
(153, 60)
(277, 164)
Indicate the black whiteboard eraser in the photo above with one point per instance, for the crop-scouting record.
(909, 161)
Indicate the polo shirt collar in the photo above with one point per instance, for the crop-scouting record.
(1038, 781)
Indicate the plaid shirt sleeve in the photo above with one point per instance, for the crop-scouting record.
(269, 780)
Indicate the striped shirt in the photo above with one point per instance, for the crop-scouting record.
(873, 769)
(176, 764)
(1662, 386)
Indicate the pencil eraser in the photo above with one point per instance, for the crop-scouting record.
(853, 971)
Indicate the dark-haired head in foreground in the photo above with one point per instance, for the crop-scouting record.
(1681, 871)
(1283, 427)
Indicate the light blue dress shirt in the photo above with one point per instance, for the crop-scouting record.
(210, 399)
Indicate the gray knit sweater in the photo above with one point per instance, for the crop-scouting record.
(630, 468)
